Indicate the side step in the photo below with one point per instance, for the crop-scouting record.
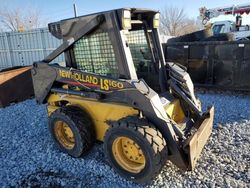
(15, 85)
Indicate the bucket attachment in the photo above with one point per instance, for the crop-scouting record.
(15, 85)
(196, 143)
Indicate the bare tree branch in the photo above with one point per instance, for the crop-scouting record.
(19, 19)
(175, 22)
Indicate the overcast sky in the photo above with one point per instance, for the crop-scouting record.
(54, 10)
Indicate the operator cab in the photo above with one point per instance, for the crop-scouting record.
(125, 45)
(223, 27)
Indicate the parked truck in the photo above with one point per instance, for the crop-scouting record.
(238, 31)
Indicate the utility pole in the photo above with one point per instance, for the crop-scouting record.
(75, 10)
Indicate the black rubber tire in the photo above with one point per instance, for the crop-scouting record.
(81, 126)
(147, 137)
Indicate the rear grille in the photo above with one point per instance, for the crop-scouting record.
(55, 30)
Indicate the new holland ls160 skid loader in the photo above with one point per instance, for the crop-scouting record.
(117, 88)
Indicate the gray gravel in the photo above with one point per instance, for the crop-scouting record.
(29, 158)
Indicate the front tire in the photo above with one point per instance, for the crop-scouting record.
(72, 130)
(135, 149)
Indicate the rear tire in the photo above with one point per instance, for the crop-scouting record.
(72, 130)
(135, 149)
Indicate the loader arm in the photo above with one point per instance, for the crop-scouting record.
(96, 21)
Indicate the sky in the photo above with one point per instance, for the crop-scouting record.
(55, 10)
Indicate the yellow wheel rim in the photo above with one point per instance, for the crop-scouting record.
(128, 154)
(64, 134)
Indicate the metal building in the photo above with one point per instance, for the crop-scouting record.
(23, 48)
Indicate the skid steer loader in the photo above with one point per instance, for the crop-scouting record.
(117, 88)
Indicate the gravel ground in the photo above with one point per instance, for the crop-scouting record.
(29, 158)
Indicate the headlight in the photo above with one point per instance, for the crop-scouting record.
(156, 21)
(126, 19)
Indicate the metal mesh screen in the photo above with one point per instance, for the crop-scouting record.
(138, 46)
(94, 53)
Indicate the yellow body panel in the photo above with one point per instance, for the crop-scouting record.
(100, 112)
(175, 111)
(51, 108)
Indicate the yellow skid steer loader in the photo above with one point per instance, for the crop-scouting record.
(117, 88)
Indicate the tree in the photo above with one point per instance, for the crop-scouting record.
(175, 22)
(19, 19)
